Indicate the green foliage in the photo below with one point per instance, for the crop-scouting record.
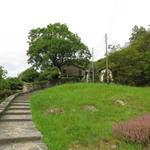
(131, 65)
(76, 126)
(29, 75)
(2, 73)
(5, 93)
(49, 74)
(8, 85)
(14, 83)
(3, 84)
(137, 33)
(55, 45)
(4, 89)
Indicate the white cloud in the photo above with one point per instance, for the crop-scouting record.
(90, 19)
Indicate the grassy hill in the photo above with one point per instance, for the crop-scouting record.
(80, 116)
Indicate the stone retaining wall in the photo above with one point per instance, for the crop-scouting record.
(30, 87)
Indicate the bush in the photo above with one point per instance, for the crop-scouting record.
(29, 75)
(3, 84)
(14, 83)
(3, 73)
(49, 74)
(137, 130)
(5, 93)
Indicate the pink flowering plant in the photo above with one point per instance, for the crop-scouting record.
(136, 130)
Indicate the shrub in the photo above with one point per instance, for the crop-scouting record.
(3, 84)
(3, 73)
(136, 130)
(29, 75)
(14, 83)
(5, 93)
(49, 74)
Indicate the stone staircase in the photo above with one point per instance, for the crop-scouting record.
(17, 131)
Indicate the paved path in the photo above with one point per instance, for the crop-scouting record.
(17, 131)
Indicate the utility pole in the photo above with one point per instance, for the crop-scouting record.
(107, 77)
(93, 64)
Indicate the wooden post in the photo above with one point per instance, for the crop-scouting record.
(107, 77)
(93, 78)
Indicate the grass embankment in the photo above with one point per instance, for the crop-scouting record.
(78, 128)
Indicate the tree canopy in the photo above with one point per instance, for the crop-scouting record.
(56, 45)
(131, 65)
(3, 72)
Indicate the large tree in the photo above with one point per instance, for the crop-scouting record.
(56, 45)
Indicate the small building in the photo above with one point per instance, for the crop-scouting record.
(73, 71)
(103, 75)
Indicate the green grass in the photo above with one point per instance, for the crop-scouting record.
(77, 126)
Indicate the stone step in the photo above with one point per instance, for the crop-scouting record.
(30, 145)
(18, 132)
(17, 112)
(27, 108)
(33, 137)
(19, 104)
(1, 110)
(17, 101)
(25, 96)
(18, 107)
(27, 117)
(21, 100)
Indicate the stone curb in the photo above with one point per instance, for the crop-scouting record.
(6, 102)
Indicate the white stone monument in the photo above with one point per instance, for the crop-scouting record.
(103, 75)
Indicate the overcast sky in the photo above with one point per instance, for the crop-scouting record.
(90, 19)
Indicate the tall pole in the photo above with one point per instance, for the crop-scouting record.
(93, 64)
(107, 78)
